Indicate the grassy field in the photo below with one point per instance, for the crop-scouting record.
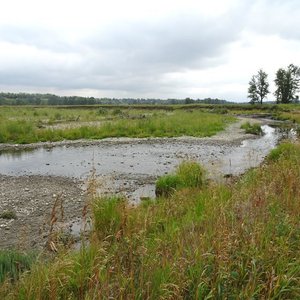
(29, 125)
(239, 240)
(38, 124)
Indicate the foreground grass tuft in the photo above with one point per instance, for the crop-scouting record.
(13, 264)
(235, 241)
(188, 174)
(252, 128)
(8, 215)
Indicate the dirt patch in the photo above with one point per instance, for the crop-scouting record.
(31, 198)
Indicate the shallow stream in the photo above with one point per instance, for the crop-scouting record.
(131, 166)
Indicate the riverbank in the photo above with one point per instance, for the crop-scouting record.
(126, 167)
(235, 240)
(30, 201)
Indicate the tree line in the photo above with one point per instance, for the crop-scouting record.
(287, 82)
(50, 99)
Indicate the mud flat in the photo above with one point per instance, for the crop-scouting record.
(31, 199)
(33, 176)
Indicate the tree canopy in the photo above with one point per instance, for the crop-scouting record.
(287, 83)
(258, 87)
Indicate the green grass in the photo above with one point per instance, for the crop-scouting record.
(188, 174)
(284, 150)
(252, 128)
(239, 240)
(22, 125)
(8, 215)
(13, 264)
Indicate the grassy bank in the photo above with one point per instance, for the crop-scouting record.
(28, 125)
(239, 240)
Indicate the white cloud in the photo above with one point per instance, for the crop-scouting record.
(134, 48)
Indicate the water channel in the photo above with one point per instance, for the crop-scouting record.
(132, 165)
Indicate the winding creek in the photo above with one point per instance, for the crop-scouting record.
(131, 166)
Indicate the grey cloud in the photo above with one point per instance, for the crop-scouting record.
(183, 42)
(130, 56)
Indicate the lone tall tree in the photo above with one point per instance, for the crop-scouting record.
(258, 87)
(288, 84)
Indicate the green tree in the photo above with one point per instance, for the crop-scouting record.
(288, 83)
(252, 90)
(258, 87)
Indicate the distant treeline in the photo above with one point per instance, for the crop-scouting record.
(49, 99)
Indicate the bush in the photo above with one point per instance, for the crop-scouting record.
(188, 174)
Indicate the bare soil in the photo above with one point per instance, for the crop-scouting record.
(31, 199)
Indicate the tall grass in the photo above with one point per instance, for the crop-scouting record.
(239, 240)
(13, 264)
(252, 128)
(21, 128)
(188, 174)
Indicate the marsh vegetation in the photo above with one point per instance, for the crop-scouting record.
(234, 240)
(27, 125)
(199, 239)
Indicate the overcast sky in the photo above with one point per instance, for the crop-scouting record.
(144, 49)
